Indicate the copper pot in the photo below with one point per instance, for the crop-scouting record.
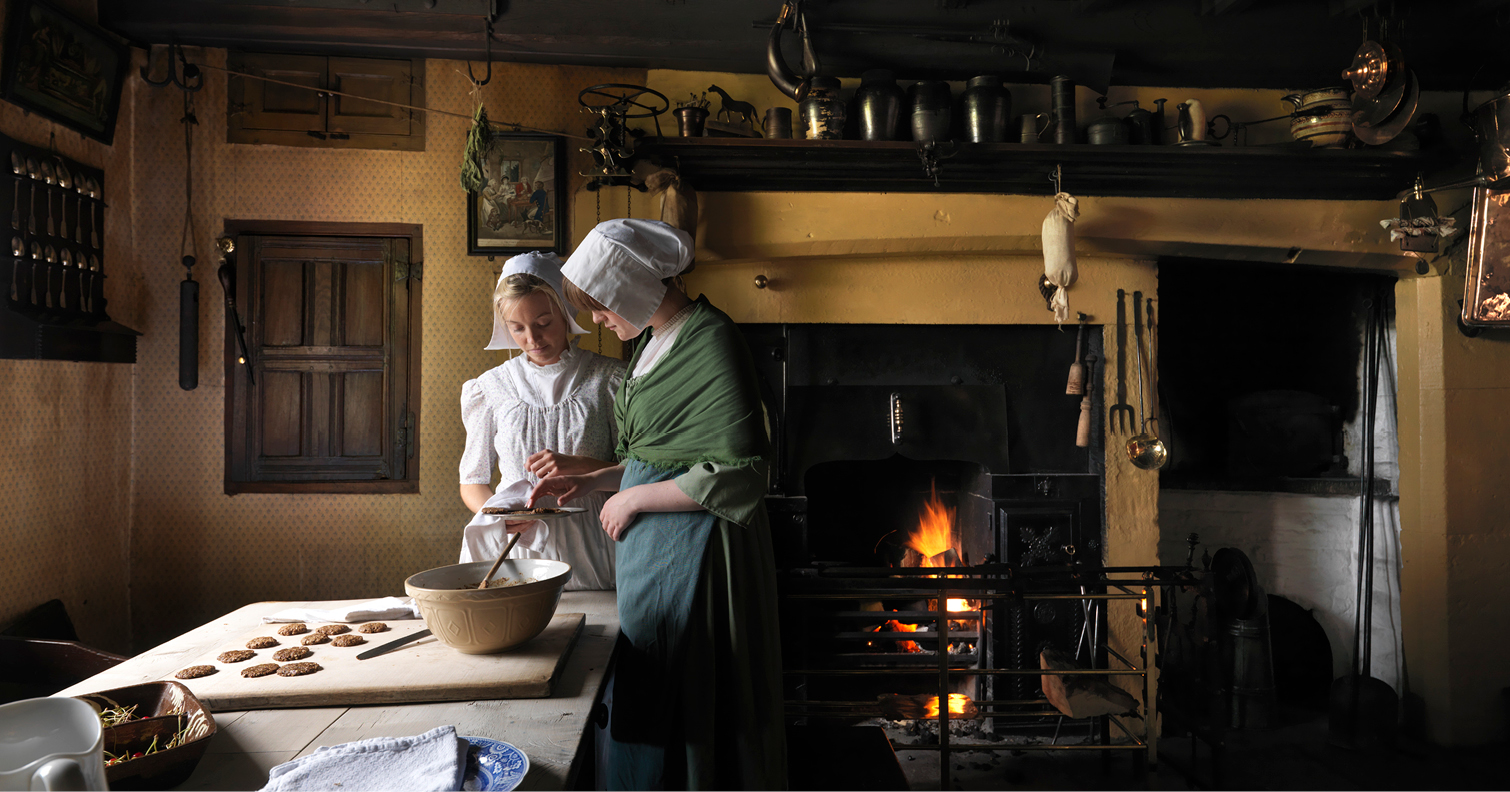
(1323, 116)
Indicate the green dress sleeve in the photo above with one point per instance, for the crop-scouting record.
(731, 492)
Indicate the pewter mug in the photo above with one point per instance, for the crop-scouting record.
(878, 105)
(778, 123)
(1029, 130)
(987, 108)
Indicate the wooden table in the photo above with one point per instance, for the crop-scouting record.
(552, 732)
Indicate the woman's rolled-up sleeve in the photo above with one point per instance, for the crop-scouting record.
(731, 492)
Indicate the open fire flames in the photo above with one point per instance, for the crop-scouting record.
(933, 543)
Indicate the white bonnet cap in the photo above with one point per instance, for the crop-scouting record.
(546, 267)
(622, 262)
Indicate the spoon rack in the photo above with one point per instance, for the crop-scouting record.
(54, 277)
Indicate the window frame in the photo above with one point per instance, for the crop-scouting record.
(236, 397)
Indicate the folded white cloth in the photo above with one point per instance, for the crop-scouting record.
(484, 537)
(385, 608)
(431, 762)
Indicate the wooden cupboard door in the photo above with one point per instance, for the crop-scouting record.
(260, 105)
(329, 336)
(387, 80)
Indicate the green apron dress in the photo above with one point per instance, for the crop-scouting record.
(697, 681)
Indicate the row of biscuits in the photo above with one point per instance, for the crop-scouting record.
(287, 654)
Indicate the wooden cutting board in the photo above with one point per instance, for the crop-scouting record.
(426, 670)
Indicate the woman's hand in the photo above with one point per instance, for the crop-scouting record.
(517, 526)
(565, 488)
(619, 512)
(551, 463)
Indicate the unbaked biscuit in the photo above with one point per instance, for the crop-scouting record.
(262, 642)
(195, 672)
(236, 655)
(348, 640)
(260, 670)
(291, 653)
(293, 629)
(373, 627)
(332, 629)
(298, 669)
(314, 638)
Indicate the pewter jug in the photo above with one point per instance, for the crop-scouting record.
(822, 111)
(931, 105)
(878, 105)
(987, 106)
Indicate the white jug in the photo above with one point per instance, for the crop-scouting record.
(51, 744)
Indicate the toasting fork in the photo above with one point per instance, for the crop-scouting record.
(1119, 417)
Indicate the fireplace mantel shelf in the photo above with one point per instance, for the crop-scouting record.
(760, 165)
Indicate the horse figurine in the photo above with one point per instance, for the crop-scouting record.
(732, 107)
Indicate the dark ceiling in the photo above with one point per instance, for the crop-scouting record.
(1280, 44)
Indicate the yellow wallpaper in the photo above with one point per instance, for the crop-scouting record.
(65, 453)
(198, 553)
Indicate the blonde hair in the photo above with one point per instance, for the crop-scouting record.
(522, 284)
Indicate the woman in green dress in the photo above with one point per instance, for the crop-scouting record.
(697, 686)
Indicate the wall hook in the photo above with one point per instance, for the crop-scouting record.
(185, 75)
(1057, 177)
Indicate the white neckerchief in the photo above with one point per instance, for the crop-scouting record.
(661, 341)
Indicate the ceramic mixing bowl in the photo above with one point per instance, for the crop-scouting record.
(493, 619)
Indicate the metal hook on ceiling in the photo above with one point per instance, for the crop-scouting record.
(487, 44)
(185, 75)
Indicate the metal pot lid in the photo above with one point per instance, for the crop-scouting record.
(1377, 134)
(1375, 67)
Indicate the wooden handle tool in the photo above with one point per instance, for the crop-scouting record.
(1076, 385)
(1083, 431)
(499, 561)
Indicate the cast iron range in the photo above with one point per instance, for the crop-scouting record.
(882, 431)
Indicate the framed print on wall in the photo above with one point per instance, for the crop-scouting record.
(522, 203)
(63, 69)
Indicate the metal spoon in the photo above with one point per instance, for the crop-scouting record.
(47, 176)
(31, 206)
(65, 182)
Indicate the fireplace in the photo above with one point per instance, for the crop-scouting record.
(902, 450)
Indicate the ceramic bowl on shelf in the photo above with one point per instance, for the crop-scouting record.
(494, 619)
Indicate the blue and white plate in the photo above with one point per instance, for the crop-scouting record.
(493, 766)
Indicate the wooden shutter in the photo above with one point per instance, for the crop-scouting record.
(376, 115)
(329, 329)
(388, 80)
(259, 105)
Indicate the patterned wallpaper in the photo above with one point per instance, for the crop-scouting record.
(65, 452)
(197, 553)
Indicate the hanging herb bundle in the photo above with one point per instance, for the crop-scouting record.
(471, 157)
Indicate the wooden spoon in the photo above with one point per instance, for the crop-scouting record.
(499, 561)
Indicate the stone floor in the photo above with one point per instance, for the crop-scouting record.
(1293, 755)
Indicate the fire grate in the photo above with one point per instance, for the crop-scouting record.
(842, 600)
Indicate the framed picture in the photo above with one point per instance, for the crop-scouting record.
(63, 69)
(522, 203)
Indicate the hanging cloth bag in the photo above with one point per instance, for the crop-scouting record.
(1059, 252)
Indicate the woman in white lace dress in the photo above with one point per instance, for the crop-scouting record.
(546, 412)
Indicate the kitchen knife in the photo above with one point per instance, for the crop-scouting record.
(391, 645)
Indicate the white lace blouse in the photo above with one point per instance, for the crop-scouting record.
(518, 408)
